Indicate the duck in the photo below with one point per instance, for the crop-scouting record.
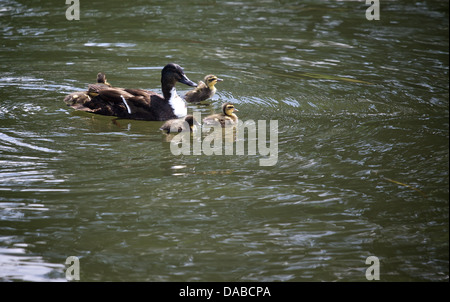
(179, 125)
(139, 104)
(226, 118)
(204, 90)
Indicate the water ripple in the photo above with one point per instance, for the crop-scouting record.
(12, 141)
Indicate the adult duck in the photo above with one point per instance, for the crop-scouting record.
(204, 90)
(139, 104)
(224, 119)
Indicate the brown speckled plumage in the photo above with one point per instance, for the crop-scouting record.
(226, 118)
(204, 90)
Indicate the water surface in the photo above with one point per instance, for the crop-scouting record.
(362, 110)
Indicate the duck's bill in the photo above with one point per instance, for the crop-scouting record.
(184, 79)
(219, 80)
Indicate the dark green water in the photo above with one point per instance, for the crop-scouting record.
(363, 115)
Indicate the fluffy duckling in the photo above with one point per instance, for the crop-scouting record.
(102, 83)
(101, 79)
(78, 99)
(226, 118)
(180, 125)
(205, 90)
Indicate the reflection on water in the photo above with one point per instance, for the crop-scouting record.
(362, 170)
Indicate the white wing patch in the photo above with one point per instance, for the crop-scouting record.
(178, 104)
(126, 104)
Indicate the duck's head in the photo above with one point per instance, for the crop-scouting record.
(192, 122)
(173, 73)
(228, 108)
(211, 80)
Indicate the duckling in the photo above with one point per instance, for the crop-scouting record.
(226, 118)
(77, 100)
(205, 90)
(101, 79)
(102, 83)
(180, 124)
(81, 97)
(139, 103)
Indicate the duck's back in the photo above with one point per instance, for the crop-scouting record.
(141, 105)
